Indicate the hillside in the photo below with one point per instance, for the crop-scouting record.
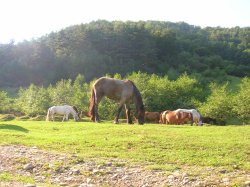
(102, 47)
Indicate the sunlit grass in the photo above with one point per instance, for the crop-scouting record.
(159, 146)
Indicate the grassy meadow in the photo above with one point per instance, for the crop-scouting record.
(155, 145)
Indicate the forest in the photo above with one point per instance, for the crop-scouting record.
(174, 65)
(101, 47)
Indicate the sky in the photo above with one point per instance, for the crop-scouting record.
(30, 19)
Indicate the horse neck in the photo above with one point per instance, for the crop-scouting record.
(137, 100)
(73, 112)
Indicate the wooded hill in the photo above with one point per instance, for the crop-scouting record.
(102, 47)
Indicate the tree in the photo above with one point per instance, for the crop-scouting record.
(5, 102)
(242, 101)
(62, 93)
(218, 105)
(33, 100)
(80, 97)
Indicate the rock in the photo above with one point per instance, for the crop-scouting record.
(95, 171)
(125, 177)
(30, 185)
(114, 176)
(63, 184)
(28, 166)
(81, 174)
(76, 171)
(108, 164)
(225, 180)
(88, 180)
(247, 183)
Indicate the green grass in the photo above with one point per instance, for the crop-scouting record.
(158, 146)
(5, 176)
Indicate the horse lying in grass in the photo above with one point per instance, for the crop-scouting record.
(84, 113)
(152, 117)
(62, 110)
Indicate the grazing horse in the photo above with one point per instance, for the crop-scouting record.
(152, 117)
(173, 117)
(184, 117)
(84, 113)
(196, 115)
(123, 91)
(63, 110)
(163, 117)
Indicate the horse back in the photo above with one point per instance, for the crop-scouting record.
(152, 116)
(113, 88)
(172, 117)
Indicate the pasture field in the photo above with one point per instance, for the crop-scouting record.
(158, 146)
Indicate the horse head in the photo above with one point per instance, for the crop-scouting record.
(76, 113)
(140, 110)
(139, 115)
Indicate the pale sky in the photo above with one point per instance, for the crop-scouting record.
(26, 19)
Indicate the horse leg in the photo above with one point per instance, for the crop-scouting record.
(63, 118)
(178, 118)
(129, 120)
(97, 101)
(67, 116)
(118, 113)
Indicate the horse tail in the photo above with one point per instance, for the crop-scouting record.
(48, 114)
(92, 105)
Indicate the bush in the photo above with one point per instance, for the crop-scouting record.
(242, 101)
(7, 117)
(34, 100)
(5, 102)
(219, 104)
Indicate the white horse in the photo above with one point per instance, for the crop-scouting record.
(63, 110)
(195, 113)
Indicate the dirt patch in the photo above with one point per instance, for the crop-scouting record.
(44, 168)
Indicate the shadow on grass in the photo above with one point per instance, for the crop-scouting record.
(13, 127)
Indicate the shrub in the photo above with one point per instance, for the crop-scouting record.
(219, 104)
(242, 101)
(34, 100)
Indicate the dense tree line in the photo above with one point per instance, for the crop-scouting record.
(101, 47)
(158, 93)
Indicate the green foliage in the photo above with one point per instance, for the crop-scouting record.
(103, 47)
(80, 95)
(5, 102)
(219, 104)
(160, 93)
(33, 100)
(62, 93)
(242, 101)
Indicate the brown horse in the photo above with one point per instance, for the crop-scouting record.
(184, 117)
(173, 117)
(152, 117)
(163, 116)
(83, 113)
(123, 91)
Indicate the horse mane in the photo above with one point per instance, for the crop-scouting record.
(137, 94)
(74, 107)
